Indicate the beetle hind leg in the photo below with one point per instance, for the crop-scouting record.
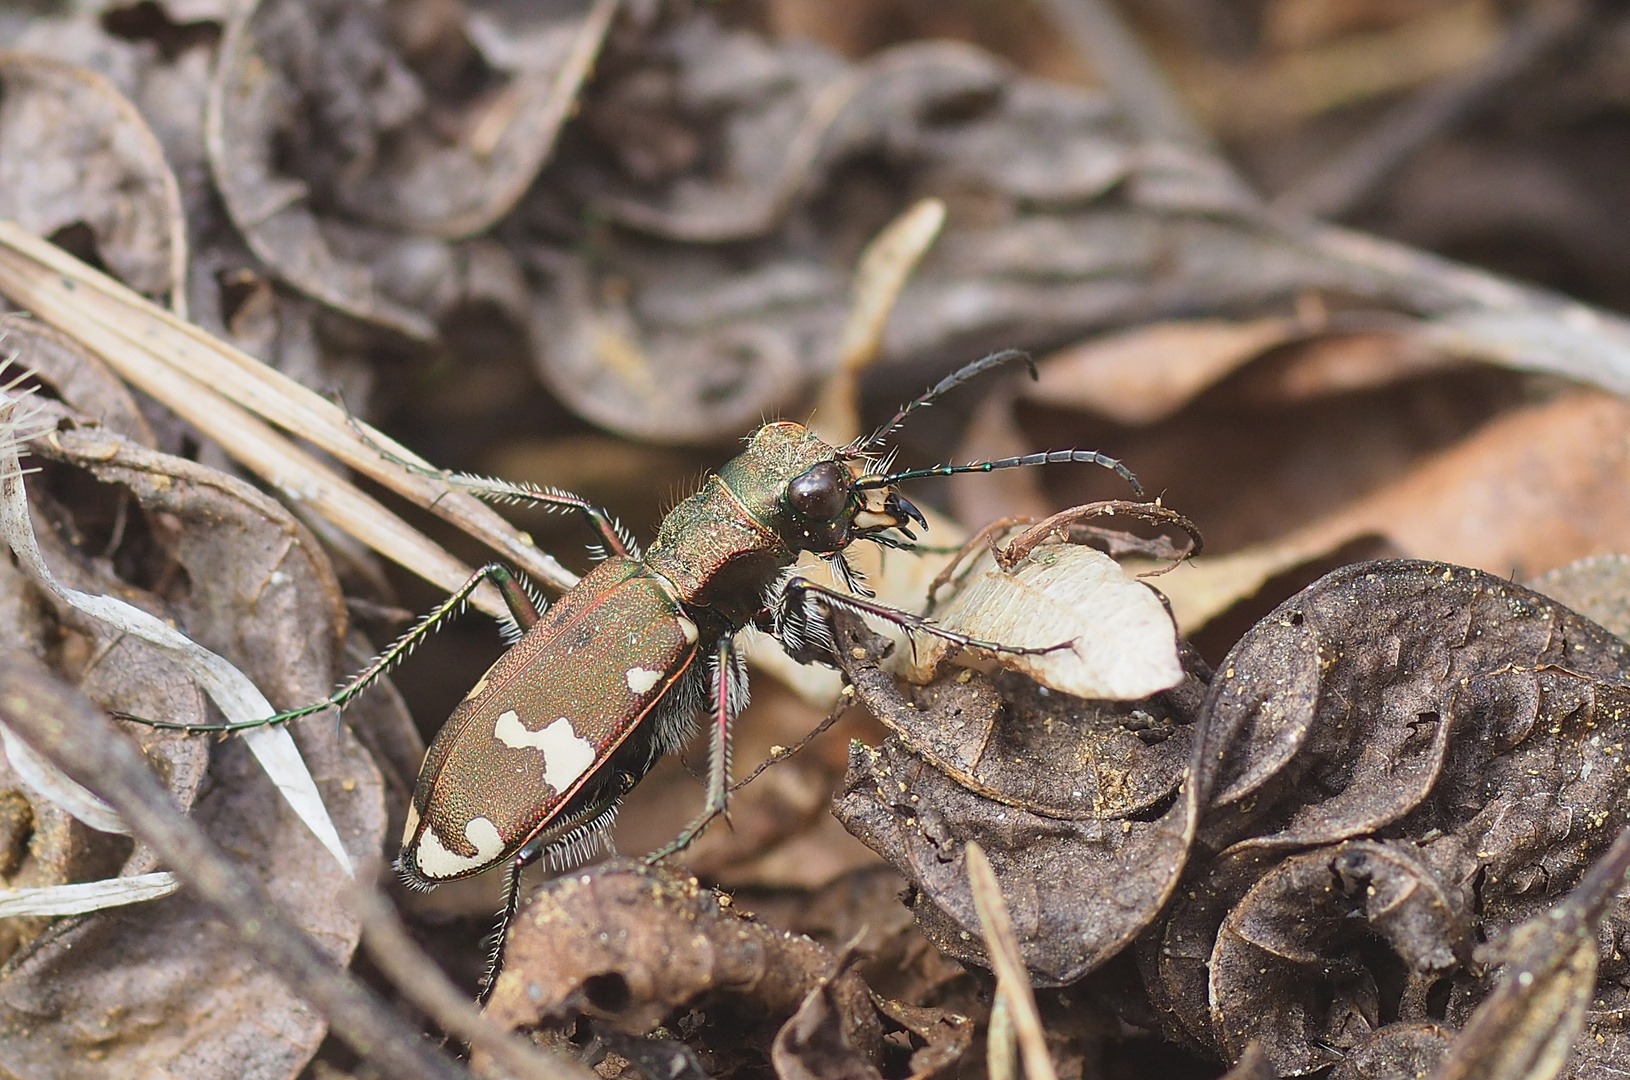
(500, 934)
(618, 541)
(522, 607)
(570, 844)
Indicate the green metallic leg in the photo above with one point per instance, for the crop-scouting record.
(515, 596)
(616, 540)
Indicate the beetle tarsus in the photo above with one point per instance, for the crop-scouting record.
(500, 934)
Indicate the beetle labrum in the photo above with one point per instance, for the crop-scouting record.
(534, 761)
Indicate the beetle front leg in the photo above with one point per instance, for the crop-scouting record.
(728, 696)
(798, 620)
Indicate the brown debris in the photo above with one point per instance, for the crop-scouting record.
(76, 156)
(567, 238)
(1081, 881)
(632, 946)
(234, 568)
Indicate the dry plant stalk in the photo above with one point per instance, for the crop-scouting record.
(1012, 981)
(885, 267)
(222, 391)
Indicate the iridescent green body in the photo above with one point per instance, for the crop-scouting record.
(723, 546)
(607, 682)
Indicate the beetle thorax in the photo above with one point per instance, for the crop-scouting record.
(725, 545)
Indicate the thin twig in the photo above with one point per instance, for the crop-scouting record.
(1011, 977)
(1472, 310)
(1349, 178)
(1001, 1046)
(885, 267)
(68, 729)
(846, 699)
(1058, 526)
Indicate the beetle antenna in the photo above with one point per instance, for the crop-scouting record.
(955, 379)
(1046, 457)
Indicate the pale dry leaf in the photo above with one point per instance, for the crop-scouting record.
(1120, 643)
(1535, 488)
(82, 897)
(46, 781)
(229, 688)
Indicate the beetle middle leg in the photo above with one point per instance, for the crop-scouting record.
(727, 696)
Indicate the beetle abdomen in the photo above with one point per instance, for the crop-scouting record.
(522, 746)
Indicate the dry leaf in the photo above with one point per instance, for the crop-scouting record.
(1120, 641)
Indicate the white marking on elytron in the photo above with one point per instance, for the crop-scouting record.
(642, 679)
(436, 861)
(566, 754)
(688, 628)
(475, 691)
(412, 824)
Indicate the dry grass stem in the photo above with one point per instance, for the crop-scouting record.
(211, 383)
(885, 266)
(1011, 978)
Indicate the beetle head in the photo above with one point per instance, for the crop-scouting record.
(810, 492)
(827, 509)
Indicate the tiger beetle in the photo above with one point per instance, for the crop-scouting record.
(599, 687)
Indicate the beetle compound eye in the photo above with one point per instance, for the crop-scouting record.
(821, 492)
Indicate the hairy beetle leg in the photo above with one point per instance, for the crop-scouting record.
(506, 915)
(728, 697)
(569, 844)
(521, 608)
(617, 539)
